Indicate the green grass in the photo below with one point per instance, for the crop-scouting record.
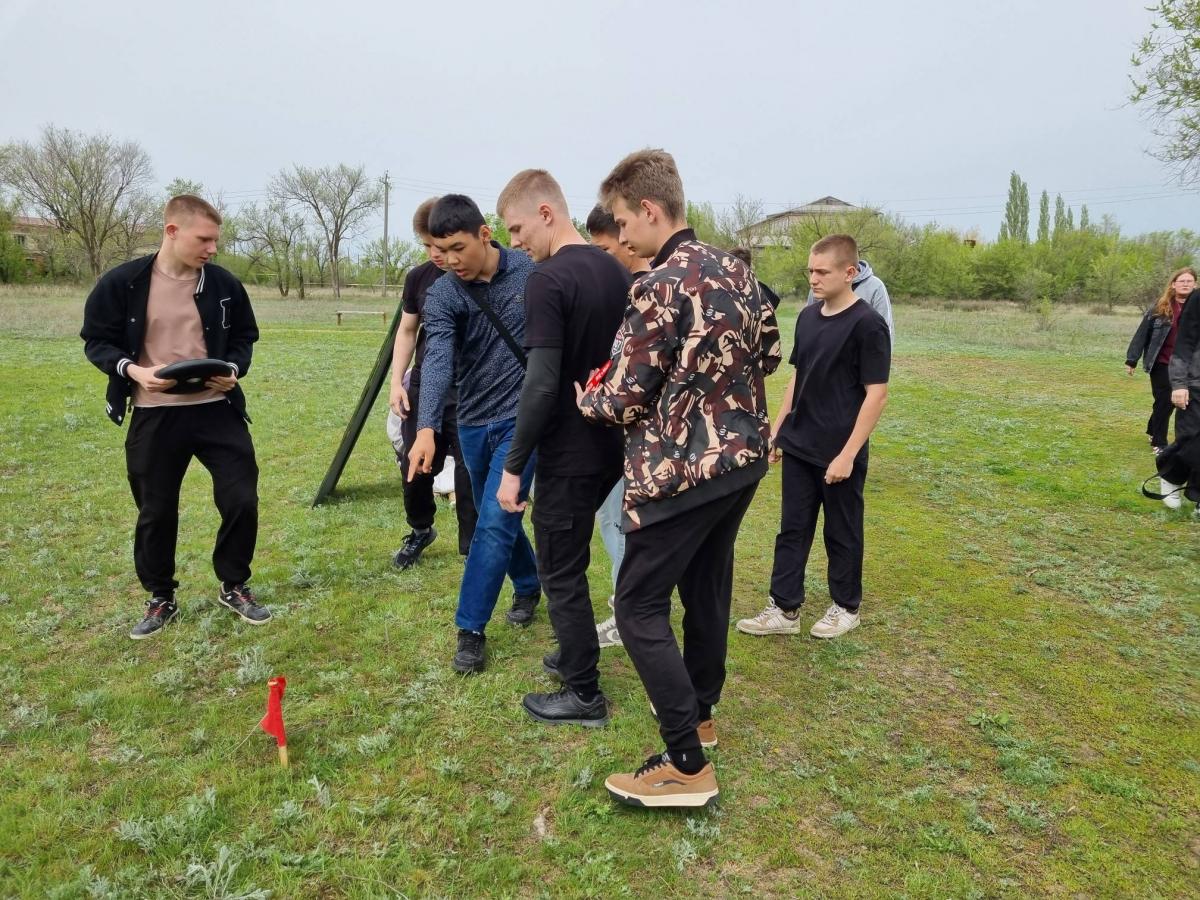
(1018, 714)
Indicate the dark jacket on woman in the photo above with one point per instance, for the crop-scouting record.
(1148, 340)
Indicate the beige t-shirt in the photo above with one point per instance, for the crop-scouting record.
(174, 332)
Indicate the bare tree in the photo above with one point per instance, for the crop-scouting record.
(738, 218)
(338, 197)
(275, 231)
(88, 184)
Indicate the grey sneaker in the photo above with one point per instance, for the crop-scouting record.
(607, 634)
(240, 599)
(159, 611)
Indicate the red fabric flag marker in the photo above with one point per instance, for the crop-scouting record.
(272, 722)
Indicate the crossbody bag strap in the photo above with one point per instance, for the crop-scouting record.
(497, 323)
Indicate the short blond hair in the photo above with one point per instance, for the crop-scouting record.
(185, 206)
(531, 185)
(648, 174)
(842, 247)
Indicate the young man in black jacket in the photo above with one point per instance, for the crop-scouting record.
(574, 303)
(169, 307)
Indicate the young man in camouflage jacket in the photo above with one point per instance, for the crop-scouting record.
(686, 380)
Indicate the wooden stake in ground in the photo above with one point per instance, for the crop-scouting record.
(272, 722)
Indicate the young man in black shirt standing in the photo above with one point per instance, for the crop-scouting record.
(419, 504)
(842, 356)
(574, 303)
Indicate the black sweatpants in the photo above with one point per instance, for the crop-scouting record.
(693, 552)
(161, 442)
(804, 494)
(1160, 416)
(564, 514)
(1181, 463)
(420, 507)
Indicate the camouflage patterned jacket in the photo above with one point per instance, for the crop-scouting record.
(686, 379)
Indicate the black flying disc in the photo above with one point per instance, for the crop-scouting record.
(190, 374)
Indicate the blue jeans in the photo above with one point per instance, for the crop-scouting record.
(610, 528)
(499, 544)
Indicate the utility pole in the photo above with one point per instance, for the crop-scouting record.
(386, 249)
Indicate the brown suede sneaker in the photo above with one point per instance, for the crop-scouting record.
(706, 729)
(658, 783)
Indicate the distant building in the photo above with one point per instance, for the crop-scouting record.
(33, 235)
(776, 230)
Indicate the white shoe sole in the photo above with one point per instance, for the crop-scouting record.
(701, 798)
(763, 632)
(825, 637)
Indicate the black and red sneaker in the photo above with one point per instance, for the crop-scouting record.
(240, 599)
(159, 611)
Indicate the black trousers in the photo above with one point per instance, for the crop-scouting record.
(804, 494)
(564, 514)
(1160, 416)
(694, 553)
(420, 507)
(1181, 463)
(161, 443)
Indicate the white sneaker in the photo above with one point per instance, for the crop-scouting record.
(834, 623)
(1171, 491)
(771, 620)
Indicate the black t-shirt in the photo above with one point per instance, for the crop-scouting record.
(835, 357)
(416, 283)
(575, 301)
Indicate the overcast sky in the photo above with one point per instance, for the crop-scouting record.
(922, 107)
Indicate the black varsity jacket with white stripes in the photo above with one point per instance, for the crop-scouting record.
(114, 326)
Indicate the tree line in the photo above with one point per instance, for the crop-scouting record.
(99, 193)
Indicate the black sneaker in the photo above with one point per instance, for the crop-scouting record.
(240, 599)
(565, 708)
(550, 664)
(412, 548)
(522, 610)
(159, 611)
(471, 656)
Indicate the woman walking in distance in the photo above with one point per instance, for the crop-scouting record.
(1154, 344)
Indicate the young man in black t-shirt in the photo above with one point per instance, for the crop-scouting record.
(419, 504)
(574, 302)
(842, 357)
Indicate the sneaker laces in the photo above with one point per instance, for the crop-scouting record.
(242, 594)
(156, 605)
(411, 542)
(654, 762)
(832, 615)
(769, 610)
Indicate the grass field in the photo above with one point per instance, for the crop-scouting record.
(1018, 715)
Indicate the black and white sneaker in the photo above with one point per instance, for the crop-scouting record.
(240, 599)
(566, 708)
(472, 652)
(159, 611)
(412, 548)
(522, 610)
